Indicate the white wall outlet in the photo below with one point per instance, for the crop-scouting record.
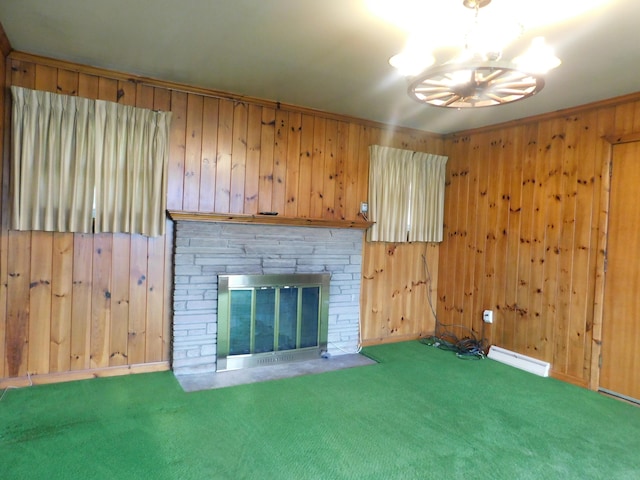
(487, 316)
(364, 207)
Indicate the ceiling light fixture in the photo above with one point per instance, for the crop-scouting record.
(479, 77)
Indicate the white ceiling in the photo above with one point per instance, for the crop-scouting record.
(328, 55)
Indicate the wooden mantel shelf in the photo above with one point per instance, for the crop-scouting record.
(180, 216)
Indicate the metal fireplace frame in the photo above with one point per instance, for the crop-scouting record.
(228, 283)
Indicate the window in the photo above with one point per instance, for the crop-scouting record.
(69, 152)
(406, 195)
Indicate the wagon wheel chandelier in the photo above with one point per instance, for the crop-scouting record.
(479, 77)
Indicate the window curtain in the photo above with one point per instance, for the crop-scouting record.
(406, 195)
(388, 194)
(52, 182)
(427, 199)
(68, 152)
(131, 164)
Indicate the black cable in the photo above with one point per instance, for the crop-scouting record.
(466, 348)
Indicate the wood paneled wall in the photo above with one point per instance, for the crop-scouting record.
(90, 303)
(523, 205)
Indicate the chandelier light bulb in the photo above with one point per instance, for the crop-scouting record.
(539, 58)
(413, 59)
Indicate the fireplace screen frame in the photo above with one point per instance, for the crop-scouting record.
(229, 283)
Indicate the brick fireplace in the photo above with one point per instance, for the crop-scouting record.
(206, 249)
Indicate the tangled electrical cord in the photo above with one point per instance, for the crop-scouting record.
(467, 348)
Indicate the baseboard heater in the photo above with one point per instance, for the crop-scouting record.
(523, 362)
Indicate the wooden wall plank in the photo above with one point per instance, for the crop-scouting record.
(82, 296)
(138, 279)
(280, 162)
(254, 189)
(457, 150)
(160, 249)
(209, 154)
(139, 269)
(350, 177)
(317, 168)
(582, 292)
(305, 171)
(41, 267)
(599, 236)
(177, 151)
(361, 175)
(118, 341)
(453, 151)
(119, 300)
(17, 330)
(566, 285)
(223, 168)
(342, 144)
(256, 124)
(535, 211)
(68, 83)
(23, 74)
(101, 343)
(193, 153)
(520, 318)
(155, 304)
(61, 303)
(101, 300)
(494, 145)
(238, 157)
(262, 163)
(374, 304)
(511, 149)
(474, 243)
(293, 165)
(82, 271)
(329, 169)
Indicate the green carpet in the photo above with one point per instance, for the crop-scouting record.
(420, 413)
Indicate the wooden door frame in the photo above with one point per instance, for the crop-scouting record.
(601, 257)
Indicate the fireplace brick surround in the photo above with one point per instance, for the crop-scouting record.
(204, 250)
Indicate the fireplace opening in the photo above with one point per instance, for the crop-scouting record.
(266, 319)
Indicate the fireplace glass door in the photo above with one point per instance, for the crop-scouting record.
(264, 319)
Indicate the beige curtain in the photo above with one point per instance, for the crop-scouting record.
(69, 151)
(131, 165)
(52, 183)
(388, 195)
(406, 195)
(427, 200)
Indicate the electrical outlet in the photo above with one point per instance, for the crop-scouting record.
(487, 316)
(364, 207)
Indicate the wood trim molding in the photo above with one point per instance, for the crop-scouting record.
(610, 102)
(5, 44)
(624, 138)
(265, 220)
(601, 267)
(569, 379)
(180, 87)
(395, 339)
(44, 379)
